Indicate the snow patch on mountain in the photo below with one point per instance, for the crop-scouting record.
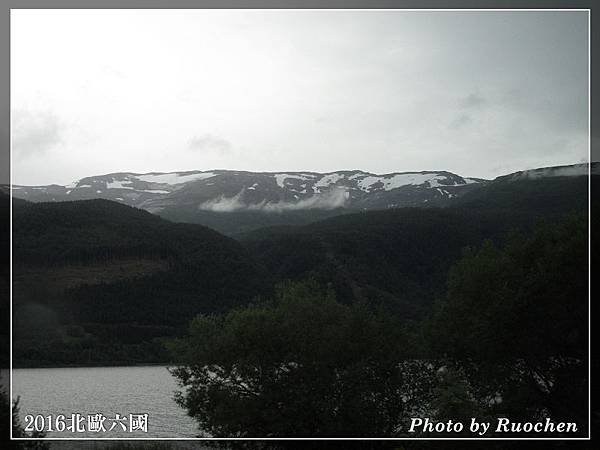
(329, 179)
(156, 191)
(281, 177)
(399, 180)
(116, 184)
(174, 178)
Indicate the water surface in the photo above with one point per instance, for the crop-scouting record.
(105, 390)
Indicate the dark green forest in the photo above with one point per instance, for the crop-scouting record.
(507, 339)
(350, 323)
(96, 282)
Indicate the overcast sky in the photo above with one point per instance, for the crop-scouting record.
(476, 93)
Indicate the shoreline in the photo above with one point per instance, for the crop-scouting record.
(83, 366)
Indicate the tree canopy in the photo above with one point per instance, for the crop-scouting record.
(298, 365)
(515, 317)
(509, 339)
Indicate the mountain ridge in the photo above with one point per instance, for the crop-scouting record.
(234, 202)
(230, 190)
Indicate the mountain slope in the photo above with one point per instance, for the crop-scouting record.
(399, 258)
(258, 198)
(234, 202)
(226, 191)
(85, 269)
(395, 258)
(542, 193)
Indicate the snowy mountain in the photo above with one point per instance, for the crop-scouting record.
(235, 202)
(234, 191)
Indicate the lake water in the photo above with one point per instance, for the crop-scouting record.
(108, 391)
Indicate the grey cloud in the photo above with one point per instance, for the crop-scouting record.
(473, 100)
(571, 171)
(468, 106)
(480, 93)
(460, 121)
(35, 132)
(210, 143)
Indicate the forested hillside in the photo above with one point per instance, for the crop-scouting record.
(508, 339)
(535, 198)
(399, 258)
(96, 281)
